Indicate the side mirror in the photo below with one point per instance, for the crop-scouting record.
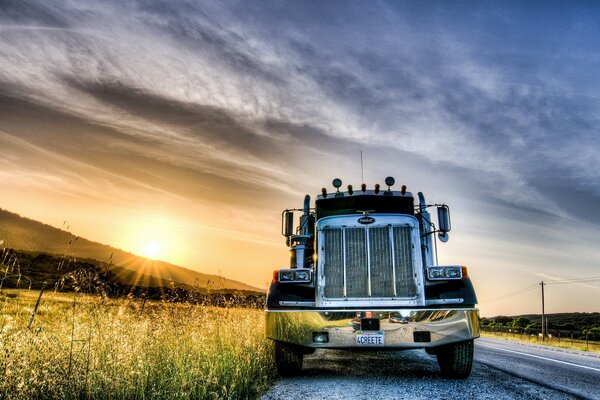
(287, 223)
(444, 224)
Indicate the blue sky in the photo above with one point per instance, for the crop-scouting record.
(211, 117)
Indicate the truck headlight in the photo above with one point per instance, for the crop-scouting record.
(303, 275)
(286, 275)
(454, 273)
(296, 275)
(443, 273)
(436, 273)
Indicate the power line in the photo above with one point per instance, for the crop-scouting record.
(516, 292)
(552, 282)
(573, 280)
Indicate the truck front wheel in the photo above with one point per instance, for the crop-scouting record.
(288, 359)
(456, 359)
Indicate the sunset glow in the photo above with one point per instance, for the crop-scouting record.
(151, 250)
(155, 237)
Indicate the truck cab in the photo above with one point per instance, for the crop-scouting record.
(363, 275)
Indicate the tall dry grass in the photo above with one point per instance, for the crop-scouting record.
(90, 347)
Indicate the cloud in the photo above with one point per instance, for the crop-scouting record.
(211, 90)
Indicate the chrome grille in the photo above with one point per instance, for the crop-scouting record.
(363, 262)
(334, 259)
(356, 269)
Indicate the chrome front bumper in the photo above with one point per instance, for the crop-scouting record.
(398, 326)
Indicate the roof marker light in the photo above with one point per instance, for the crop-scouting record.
(337, 183)
(389, 181)
(377, 188)
(350, 190)
(403, 190)
(363, 187)
(324, 193)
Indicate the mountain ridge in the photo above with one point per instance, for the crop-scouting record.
(26, 234)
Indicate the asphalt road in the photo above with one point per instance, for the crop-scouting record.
(501, 370)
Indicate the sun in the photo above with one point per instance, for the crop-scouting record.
(155, 237)
(151, 250)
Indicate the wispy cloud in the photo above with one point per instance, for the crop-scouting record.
(377, 86)
(361, 83)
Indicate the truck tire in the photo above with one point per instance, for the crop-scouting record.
(288, 359)
(456, 359)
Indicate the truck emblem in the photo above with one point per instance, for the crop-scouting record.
(366, 220)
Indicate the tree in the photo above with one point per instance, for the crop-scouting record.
(506, 321)
(520, 322)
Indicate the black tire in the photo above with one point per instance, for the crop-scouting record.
(288, 358)
(430, 351)
(456, 359)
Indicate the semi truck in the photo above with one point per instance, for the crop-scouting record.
(363, 275)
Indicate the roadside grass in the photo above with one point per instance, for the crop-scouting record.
(91, 347)
(564, 343)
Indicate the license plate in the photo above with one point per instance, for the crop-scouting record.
(370, 339)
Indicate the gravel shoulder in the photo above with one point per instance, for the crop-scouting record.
(413, 374)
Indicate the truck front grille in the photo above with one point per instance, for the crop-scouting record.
(363, 262)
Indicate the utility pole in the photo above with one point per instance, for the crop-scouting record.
(543, 313)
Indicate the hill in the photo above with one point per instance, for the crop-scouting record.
(31, 270)
(28, 235)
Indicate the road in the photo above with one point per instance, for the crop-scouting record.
(501, 370)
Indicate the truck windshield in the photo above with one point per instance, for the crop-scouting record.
(372, 203)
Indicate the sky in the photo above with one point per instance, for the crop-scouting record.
(182, 129)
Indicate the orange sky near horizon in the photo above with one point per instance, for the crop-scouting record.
(247, 248)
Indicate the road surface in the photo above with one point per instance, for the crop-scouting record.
(502, 370)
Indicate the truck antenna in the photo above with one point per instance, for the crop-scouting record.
(362, 173)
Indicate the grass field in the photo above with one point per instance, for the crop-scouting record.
(90, 347)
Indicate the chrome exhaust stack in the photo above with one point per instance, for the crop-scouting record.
(301, 250)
